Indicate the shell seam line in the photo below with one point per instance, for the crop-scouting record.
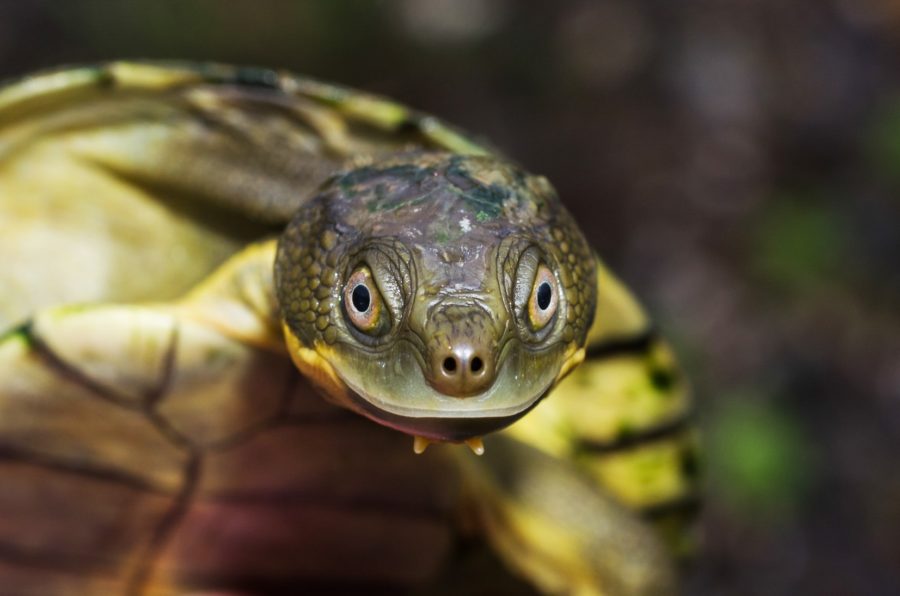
(136, 584)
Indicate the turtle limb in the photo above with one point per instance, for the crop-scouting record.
(624, 416)
(239, 299)
(552, 526)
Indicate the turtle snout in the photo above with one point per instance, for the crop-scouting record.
(462, 351)
(462, 370)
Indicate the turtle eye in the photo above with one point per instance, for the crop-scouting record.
(363, 303)
(544, 299)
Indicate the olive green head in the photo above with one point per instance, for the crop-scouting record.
(439, 294)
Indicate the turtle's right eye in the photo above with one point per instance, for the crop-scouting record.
(363, 303)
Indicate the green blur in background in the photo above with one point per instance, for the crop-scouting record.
(738, 162)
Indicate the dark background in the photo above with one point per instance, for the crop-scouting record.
(737, 161)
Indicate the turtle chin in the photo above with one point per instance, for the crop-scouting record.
(391, 388)
(437, 428)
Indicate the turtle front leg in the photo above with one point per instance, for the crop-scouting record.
(553, 527)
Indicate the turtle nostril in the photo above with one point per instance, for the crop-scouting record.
(458, 372)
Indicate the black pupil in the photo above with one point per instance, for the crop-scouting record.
(361, 298)
(543, 296)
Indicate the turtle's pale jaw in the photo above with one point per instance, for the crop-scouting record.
(436, 428)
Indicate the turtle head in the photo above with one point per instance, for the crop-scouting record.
(441, 295)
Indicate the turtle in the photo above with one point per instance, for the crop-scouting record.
(264, 334)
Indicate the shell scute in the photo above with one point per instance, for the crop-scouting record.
(138, 341)
(220, 387)
(52, 417)
(107, 533)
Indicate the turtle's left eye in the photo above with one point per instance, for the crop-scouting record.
(363, 303)
(544, 299)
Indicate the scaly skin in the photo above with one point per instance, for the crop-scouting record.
(454, 244)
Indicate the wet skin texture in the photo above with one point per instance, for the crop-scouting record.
(477, 292)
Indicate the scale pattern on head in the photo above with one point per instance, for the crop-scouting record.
(427, 278)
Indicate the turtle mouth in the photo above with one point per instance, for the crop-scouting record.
(439, 428)
(403, 399)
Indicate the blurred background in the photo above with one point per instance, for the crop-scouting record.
(736, 161)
